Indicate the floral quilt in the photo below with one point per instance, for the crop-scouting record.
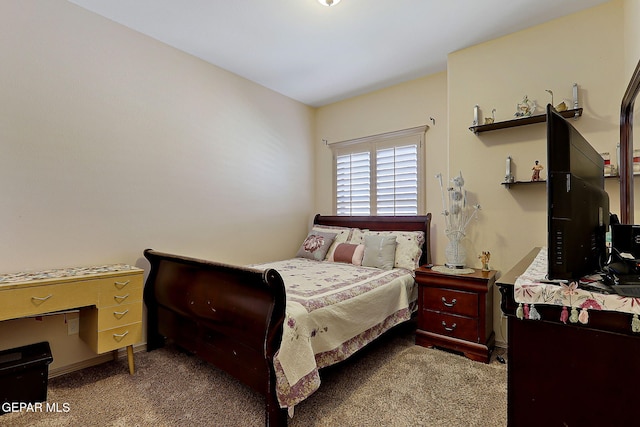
(530, 289)
(332, 311)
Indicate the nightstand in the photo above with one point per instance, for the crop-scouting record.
(455, 312)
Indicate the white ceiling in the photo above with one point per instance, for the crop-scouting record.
(317, 54)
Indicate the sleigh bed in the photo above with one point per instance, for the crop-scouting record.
(351, 281)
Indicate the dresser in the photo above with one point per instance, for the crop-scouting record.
(108, 297)
(568, 374)
(455, 312)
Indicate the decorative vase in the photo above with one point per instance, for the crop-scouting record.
(455, 252)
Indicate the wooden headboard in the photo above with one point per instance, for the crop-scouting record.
(385, 223)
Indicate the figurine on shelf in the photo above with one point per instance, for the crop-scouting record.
(526, 108)
(550, 93)
(536, 171)
(561, 107)
(508, 177)
(484, 259)
(490, 120)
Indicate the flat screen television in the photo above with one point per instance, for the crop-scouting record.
(578, 205)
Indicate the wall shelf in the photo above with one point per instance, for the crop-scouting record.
(509, 184)
(540, 118)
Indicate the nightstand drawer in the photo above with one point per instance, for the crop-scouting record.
(450, 301)
(464, 328)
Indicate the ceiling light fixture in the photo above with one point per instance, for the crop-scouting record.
(329, 2)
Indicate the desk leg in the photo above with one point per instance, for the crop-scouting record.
(130, 359)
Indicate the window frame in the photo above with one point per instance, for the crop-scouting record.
(411, 136)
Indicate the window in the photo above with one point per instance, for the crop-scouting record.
(397, 180)
(380, 175)
(353, 184)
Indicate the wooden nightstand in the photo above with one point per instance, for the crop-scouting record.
(455, 312)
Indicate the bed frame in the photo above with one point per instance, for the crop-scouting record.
(232, 316)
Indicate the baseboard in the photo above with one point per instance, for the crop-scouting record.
(103, 358)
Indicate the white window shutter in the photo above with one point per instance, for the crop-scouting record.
(397, 180)
(353, 177)
(380, 174)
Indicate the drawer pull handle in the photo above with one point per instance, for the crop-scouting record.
(119, 337)
(447, 328)
(449, 304)
(120, 298)
(120, 314)
(121, 285)
(40, 300)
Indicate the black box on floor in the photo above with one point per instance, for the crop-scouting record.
(24, 374)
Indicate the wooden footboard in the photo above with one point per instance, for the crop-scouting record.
(228, 316)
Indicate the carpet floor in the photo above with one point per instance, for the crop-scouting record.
(390, 383)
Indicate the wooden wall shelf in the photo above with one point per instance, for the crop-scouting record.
(540, 118)
(509, 184)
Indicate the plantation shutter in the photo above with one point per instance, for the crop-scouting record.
(397, 180)
(353, 194)
(380, 174)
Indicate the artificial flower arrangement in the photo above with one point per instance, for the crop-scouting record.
(457, 217)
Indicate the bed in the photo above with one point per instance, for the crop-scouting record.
(273, 326)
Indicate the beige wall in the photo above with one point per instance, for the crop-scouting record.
(585, 48)
(403, 106)
(113, 142)
(497, 75)
(631, 36)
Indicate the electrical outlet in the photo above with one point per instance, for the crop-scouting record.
(73, 326)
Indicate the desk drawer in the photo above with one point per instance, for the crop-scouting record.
(464, 328)
(113, 339)
(450, 301)
(119, 315)
(120, 297)
(35, 300)
(95, 320)
(120, 290)
(119, 284)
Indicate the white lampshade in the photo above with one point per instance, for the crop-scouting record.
(329, 2)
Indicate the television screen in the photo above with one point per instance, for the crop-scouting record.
(578, 206)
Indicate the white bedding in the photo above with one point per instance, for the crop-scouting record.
(332, 311)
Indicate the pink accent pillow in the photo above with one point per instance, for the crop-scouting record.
(348, 253)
